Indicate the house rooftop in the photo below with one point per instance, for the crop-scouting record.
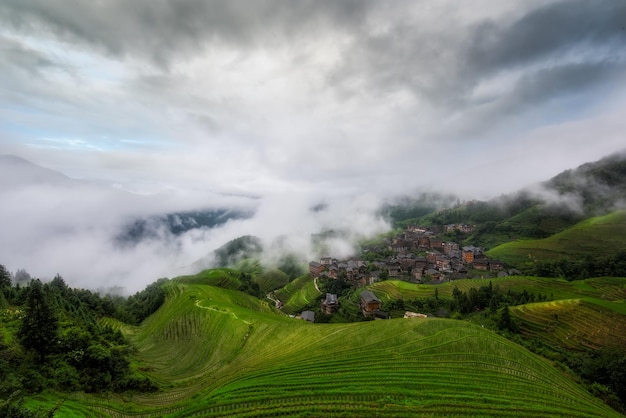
(368, 296)
(308, 316)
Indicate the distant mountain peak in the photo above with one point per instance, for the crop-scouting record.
(15, 172)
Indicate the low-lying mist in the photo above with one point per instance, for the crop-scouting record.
(101, 238)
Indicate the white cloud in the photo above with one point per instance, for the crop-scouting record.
(301, 102)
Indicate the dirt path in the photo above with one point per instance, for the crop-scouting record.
(224, 312)
(277, 303)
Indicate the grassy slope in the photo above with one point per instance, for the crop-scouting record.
(218, 352)
(600, 236)
(297, 294)
(589, 313)
(572, 324)
(221, 277)
(608, 292)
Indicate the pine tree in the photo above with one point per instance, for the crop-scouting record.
(506, 322)
(5, 277)
(38, 331)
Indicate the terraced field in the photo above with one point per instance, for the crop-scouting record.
(601, 236)
(609, 292)
(572, 324)
(223, 277)
(297, 294)
(218, 352)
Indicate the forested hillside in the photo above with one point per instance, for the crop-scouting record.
(593, 189)
(53, 338)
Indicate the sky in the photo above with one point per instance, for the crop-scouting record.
(282, 104)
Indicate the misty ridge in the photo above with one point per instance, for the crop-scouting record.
(100, 237)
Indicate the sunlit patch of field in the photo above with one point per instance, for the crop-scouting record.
(572, 324)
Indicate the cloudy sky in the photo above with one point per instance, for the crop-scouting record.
(286, 100)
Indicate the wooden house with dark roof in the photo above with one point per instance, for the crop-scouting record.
(496, 265)
(308, 316)
(330, 304)
(481, 264)
(369, 302)
(315, 268)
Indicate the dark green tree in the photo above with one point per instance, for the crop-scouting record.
(506, 321)
(38, 330)
(5, 277)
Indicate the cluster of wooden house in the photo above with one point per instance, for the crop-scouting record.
(370, 306)
(418, 255)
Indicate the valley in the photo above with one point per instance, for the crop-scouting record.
(531, 324)
(241, 357)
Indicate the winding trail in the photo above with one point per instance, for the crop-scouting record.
(277, 303)
(224, 312)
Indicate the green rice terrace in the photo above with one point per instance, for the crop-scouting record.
(219, 352)
(572, 324)
(600, 236)
(609, 292)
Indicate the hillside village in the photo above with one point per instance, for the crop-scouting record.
(417, 254)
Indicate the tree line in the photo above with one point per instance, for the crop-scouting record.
(580, 268)
(53, 337)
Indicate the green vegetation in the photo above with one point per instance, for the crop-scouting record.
(54, 338)
(573, 324)
(228, 279)
(218, 352)
(237, 250)
(298, 294)
(598, 186)
(211, 344)
(608, 292)
(602, 236)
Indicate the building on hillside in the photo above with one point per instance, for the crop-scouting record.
(308, 316)
(464, 228)
(369, 302)
(442, 263)
(436, 244)
(409, 314)
(423, 242)
(468, 256)
(326, 261)
(330, 304)
(394, 269)
(496, 265)
(470, 252)
(333, 271)
(450, 247)
(481, 264)
(315, 268)
(373, 277)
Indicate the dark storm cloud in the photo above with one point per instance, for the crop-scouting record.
(557, 91)
(15, 55)
(549, 32)
(161, 29)
(442, 61)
